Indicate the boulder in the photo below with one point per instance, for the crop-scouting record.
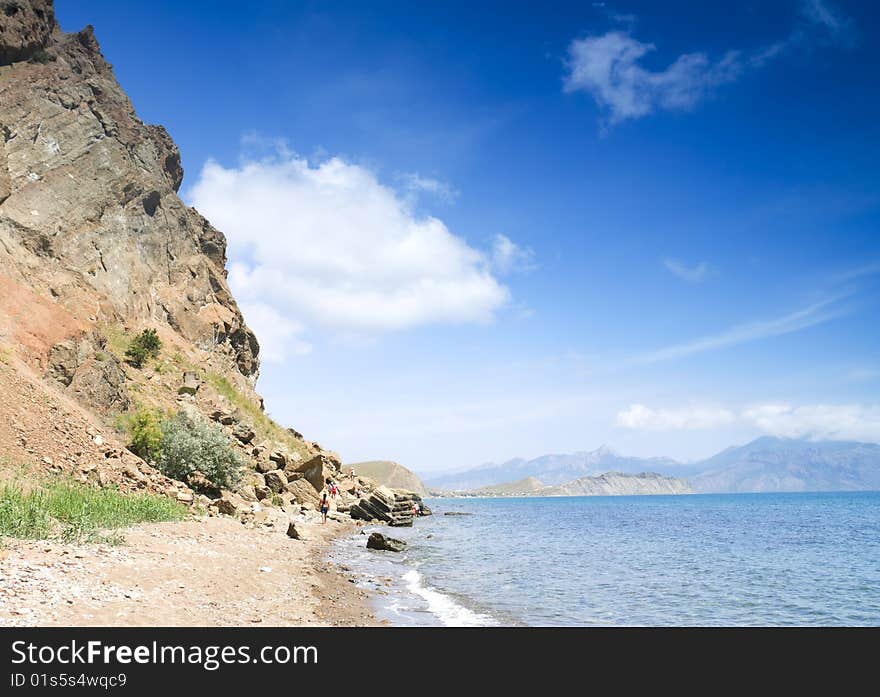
(243, 433)
(200, 483)
(91, 374)
(304, 493)
(315, 470)
(227, 506)
(223, 416)
(264, 466)
(279, 457)
(276, 481)
(262, 492)
(191, 384)
(247, 492)
(378, 541)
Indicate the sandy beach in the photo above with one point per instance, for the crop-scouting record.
(209, 571)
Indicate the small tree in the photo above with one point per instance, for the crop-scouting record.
(190, 445)
(145, 345)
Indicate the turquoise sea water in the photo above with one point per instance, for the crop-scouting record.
(744, 559)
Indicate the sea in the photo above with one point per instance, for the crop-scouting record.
(797, 559)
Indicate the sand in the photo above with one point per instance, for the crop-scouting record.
(210, 571)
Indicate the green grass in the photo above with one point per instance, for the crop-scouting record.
(73, 512)
(117, 340)
(263, 426)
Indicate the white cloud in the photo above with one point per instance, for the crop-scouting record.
(640, 417)
(329, 246)
(607, 67)
(509, 257)
(817, 313)
(691, 274)
(813, 421)
(817, 421)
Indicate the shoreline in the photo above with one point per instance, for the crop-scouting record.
(202, 572)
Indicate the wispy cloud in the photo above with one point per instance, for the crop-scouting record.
(608, 66)
(691, 274)
(817, 421)
(421, 184)
(812, 315)
(813, 421)
(840, 28)
(642, 418)
(509, 257)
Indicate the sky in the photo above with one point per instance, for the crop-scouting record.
(466, 232)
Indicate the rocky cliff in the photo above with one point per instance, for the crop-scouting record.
(95, 248)
(92, 231)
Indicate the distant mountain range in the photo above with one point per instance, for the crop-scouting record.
(767, 464)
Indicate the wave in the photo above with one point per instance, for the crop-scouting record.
(449, 612)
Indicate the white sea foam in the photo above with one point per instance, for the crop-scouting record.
(449, 612)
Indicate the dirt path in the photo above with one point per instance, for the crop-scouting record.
(201, 572)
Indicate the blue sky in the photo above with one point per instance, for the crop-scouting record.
(470, 231)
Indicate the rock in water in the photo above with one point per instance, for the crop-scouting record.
(387, 544)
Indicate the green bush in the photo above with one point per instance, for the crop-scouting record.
(145, 345)
(190, 445)
(145, 434)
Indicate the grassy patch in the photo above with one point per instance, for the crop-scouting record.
(117, 340)
(263, 426)
(76, 512)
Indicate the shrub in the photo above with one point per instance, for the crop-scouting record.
(145, 345)
(145, 434)
(190, 445)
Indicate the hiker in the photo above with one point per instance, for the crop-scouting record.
(325, 506)
(415, 509)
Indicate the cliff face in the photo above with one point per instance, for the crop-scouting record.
(95, 247)
(92, 231)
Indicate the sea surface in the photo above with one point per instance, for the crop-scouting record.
(737, 559)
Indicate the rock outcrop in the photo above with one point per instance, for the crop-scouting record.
(391, 506)
(90, 218)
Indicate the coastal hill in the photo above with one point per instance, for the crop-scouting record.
(608, 484)
(766, 464)
(390, 474)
